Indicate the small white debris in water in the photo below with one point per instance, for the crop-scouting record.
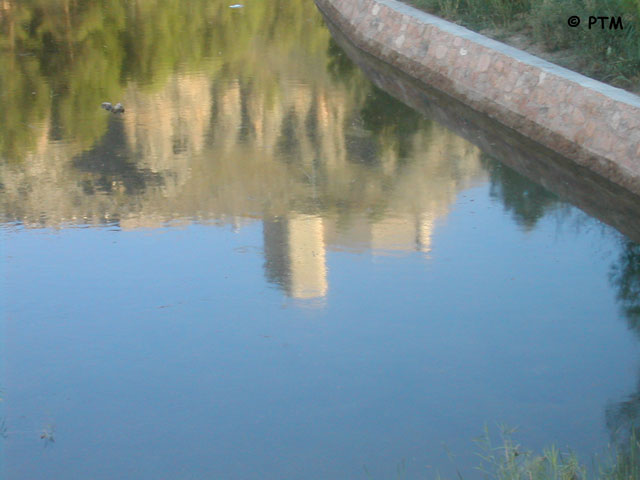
(236, 5)
(463, 52)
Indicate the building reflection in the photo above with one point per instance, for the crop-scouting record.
(295, 247)
(198, 151)
(324, 160)
(295, 255)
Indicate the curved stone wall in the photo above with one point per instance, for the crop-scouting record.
(592, 123)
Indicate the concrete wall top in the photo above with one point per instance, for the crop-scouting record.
(462, 32)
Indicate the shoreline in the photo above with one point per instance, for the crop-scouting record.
(591, 123)
(593, 194)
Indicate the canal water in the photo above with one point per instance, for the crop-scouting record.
(269, 268)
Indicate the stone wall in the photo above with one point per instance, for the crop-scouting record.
(596, 125)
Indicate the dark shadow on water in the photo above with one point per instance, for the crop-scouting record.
(625, 277)
(277, 264)
(527, 201)
(550, 171)
(622, 417)
(531, 181)
(339, 65)
(110, 165)
(383, 112)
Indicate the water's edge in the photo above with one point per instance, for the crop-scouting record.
(592, 124)
(592, 193)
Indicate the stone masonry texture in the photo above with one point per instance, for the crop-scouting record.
(593, 124)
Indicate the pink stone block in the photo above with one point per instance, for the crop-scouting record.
(602, 142)
(577, 116)
(485, 61)
(441, 51)
(590, 127)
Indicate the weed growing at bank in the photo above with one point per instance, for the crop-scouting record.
(608, 54)
(510, 461)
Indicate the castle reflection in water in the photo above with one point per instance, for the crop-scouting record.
(304, 161)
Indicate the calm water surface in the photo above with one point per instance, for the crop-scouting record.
(268, 268)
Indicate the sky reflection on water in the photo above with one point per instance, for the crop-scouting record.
(269, 268)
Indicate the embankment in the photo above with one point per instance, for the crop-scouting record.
(591, 123)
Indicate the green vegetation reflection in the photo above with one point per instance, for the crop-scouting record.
(61, 58)
(230, 113)
(230, 116)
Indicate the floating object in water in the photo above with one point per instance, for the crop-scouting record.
(236, 5)
(117, 108)
(48, 434)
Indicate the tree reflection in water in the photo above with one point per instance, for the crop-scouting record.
(527, 201)
(623, 418)
(223, 128)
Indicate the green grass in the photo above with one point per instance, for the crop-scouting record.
(510, 461)
(612, 56)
